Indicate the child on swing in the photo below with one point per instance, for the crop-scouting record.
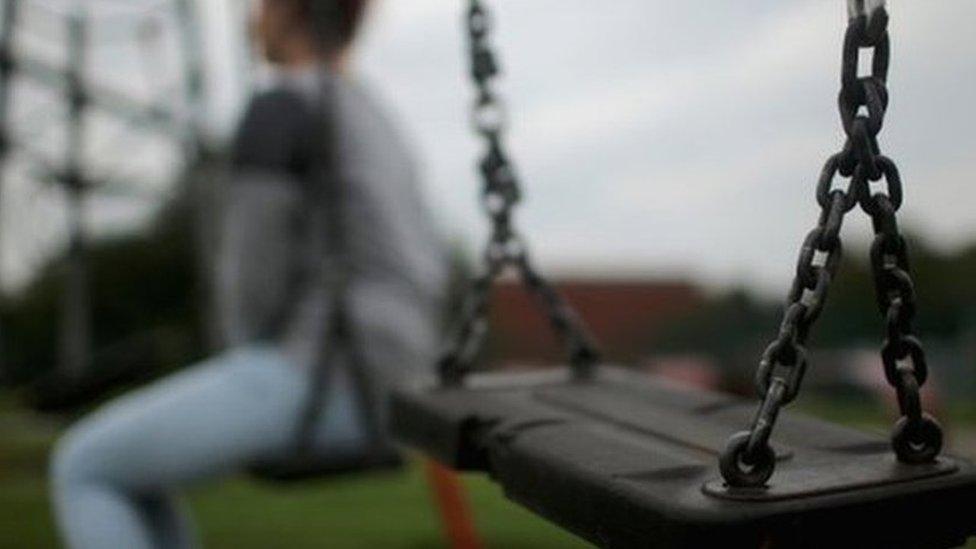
(115, 473)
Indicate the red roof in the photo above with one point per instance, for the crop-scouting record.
(622, 315)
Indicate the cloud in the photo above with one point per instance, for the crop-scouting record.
(654, 136)
(680, 135)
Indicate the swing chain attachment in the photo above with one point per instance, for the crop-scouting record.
(873, 11)
(748, 460)
(506, 248)
(917, 437)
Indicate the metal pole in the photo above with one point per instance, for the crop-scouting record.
(6, 75)
(454, 507)
(204, 191)
(75, 323)
(195, 85)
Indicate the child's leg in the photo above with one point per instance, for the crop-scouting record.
(113, 473)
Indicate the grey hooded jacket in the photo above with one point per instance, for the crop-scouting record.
(325, 201)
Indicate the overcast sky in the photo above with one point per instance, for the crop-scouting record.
(673, 137)
(664, 137)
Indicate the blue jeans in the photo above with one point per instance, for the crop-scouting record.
(114, 472)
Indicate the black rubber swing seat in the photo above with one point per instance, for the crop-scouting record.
(300, 469)
(624, 460)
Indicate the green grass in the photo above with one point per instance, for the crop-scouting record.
(377, 510)
(392, 510)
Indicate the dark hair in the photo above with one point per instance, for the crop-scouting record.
(334, 22)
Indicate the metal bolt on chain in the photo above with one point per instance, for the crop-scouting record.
(505, 248)
(748, 460)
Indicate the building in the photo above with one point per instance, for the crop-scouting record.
(623, 315)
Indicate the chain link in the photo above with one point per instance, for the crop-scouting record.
(748, 460)
(506, 248)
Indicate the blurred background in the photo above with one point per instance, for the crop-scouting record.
(669, 150)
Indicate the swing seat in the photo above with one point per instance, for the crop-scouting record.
(624, 460)
(313, 458)
(303, 468)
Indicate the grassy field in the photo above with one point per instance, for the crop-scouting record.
(381, 510)
(391, 510)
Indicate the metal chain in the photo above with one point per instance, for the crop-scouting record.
(506, 248)
(748, 460)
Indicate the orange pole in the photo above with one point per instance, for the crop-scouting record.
(453, 506)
